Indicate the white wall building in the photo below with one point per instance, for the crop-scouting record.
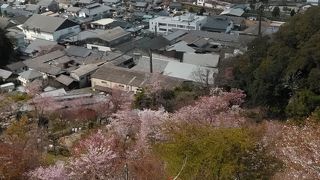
(200, 2)
(187, 21)
(49, 28)
(313, 2)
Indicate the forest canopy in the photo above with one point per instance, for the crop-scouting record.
(282, 72)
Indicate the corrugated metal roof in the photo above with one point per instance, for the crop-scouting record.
(175, 35)
(181, 46)
(233, 12)
(207, 60)
(30, 74)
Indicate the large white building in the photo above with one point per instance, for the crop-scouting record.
(188, 21)
(49, 28)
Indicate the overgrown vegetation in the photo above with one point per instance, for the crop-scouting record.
(171, 100)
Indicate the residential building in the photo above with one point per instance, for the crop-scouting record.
(140, 5)
(83, 74)
(49, 28)
(110, 37)
(102, 23)
(29, 76)
(48, 5)
(218, 24)
(193, 67)
(184, 22)
(110, 77)
(34, 8)
(73, 11)
(95, 11)
(175, 6)
(111, 2)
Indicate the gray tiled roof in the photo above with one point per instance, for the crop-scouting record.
(112, 34)
(37, 44)
(122, 75)
(44, 58)
(78, 51)
(219, 23)
(32, 7)
(65, 80)
(85, 69)
(16, 66)
(4, 74)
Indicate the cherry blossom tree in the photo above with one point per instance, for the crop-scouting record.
(151, 125)
(56, 171)
(34, 88)
(297, 147)
(93, 158)
(221, 109)
(126, 123)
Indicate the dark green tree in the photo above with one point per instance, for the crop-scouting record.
(292, 12)
(6, 49)
(201, 11)
(276, 11)
(191, 10)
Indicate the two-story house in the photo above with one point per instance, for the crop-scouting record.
(49, 28)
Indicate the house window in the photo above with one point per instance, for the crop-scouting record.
(161, 29)
(94, 48)
(172, 25)
(104, 82)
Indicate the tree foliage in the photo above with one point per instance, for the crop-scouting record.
(215, 153)
(275, 70)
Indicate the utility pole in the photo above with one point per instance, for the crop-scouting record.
(260, 14)
(259, 7)
(150, 56)
(126, 171)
